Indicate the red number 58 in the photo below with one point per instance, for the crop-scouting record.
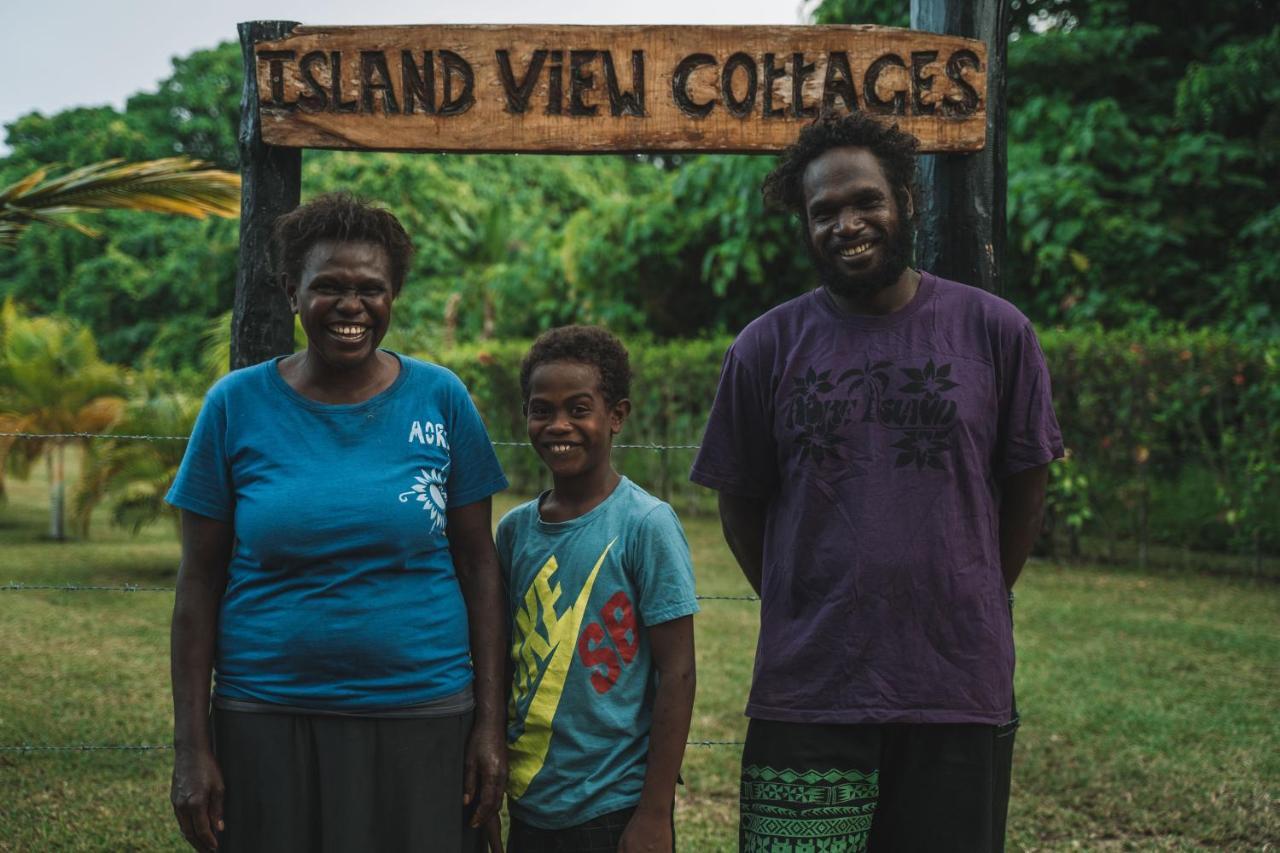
(620, 619)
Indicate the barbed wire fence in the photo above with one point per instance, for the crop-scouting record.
(154, 748)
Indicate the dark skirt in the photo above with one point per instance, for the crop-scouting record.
(304, 782)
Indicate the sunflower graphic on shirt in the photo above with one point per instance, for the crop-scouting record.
(429, 490)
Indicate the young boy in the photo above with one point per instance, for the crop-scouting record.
(600, 587)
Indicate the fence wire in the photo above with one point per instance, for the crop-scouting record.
(14, 586)
(123, 437)
(17, 586)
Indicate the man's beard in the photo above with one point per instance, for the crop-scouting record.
(899, 246)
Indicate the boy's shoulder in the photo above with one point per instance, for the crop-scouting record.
(644, 515)
(519, 516)
(638, 503)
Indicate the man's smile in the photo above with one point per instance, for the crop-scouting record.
(853, 251)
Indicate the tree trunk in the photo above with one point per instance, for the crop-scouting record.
(1144, 526)
(57, 494)
(451, 307)
(270, 185)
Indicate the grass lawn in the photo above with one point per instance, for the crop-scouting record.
(1149, 701)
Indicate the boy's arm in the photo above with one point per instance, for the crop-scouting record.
(673, 660)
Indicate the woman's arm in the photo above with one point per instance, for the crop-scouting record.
(476, 562)
(196, 792)
(673, 659)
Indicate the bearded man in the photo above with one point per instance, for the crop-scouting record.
(880, 446)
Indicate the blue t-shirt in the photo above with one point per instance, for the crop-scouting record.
(581, 593)
(341, 593)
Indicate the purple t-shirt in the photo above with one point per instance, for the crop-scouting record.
(880, 444)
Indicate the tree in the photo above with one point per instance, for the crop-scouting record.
(52, 382)
(1142, 158)
(172, 185)
(136, 475)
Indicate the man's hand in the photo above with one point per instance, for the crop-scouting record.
(196, 794)
(485, 775)
(648, 831)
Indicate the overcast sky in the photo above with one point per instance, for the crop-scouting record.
(56, 54)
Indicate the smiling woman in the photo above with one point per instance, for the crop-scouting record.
(355, 631)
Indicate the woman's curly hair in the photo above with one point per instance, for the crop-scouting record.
(589, 345)
(783, 188)
(338, 216)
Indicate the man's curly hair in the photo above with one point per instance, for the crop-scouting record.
(783, 188)
(344, 217)
(589, 345)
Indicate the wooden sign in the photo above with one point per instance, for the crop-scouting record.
(616, 88)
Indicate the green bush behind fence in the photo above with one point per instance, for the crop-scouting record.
(1173, 434)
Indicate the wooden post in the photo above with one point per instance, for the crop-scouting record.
(271, 184)
(961, 229)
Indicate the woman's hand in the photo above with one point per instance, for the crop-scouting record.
(196, 794)
(197, 789)
(493, 834)
(648, 831)
(476, 564)
(485, 774)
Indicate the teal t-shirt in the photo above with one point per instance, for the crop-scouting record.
(581, 593)
(341, 593)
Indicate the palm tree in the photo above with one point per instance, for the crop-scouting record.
(30, 402)
(54, 383)
(136, 475)
(170, 185)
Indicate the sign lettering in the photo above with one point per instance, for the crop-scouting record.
(599, 89)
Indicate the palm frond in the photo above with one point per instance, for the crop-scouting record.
(174, 185)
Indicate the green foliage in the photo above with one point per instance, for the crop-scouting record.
(1175, 436)
(195, 112)
(697, 254)
(1141, 138)
(886, 13)
(52, 381)
(173, 185)
(136, 475)
(1143, 187)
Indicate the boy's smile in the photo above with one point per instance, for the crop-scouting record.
(570, 423)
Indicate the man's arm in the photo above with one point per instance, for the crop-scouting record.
(1021, 513)
(197, 788)
(742, 520)
(673, 660)
(475, 561)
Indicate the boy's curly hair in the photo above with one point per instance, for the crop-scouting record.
(586, 345)
(338, 216)
(783, 188)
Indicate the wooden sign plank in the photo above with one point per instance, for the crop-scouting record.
(616, 88)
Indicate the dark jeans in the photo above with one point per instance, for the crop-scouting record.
(598, 835)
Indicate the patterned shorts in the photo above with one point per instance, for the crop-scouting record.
(809, 788)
